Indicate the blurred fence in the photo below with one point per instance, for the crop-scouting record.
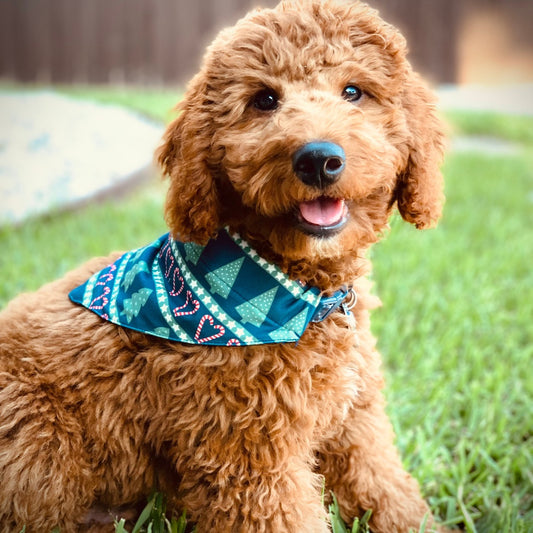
(157, 42)
(101, 41)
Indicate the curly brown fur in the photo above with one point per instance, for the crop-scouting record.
(93, 416)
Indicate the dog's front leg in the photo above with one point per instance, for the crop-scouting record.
(362, 467)
(240, 498)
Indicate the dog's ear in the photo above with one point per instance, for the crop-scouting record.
(192, 205)
(419, 189)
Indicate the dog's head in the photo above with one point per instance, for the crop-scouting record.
(305, 125)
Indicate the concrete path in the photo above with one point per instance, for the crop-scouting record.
(58, 152)
(509, 99)
(506, 99)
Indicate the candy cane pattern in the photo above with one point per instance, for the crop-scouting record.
(176, 274)
(219, 328)
(170, 267)
(103, 297)
(108, 275)
(188, 299)
(233, 342)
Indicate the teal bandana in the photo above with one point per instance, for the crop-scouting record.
(223, 293)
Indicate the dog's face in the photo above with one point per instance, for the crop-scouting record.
(306, 125)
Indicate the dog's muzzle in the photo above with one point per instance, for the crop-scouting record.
(319, 164)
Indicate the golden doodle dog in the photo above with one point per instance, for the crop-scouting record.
(230, 363)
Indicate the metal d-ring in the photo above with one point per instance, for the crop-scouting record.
(350, 300)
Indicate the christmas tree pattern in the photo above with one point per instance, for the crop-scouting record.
(221, 280)
(138, 254)
(133, 305)
(141, 266)
(256, 310)
(193, 252)
(292, 329)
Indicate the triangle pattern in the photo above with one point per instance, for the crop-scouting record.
(222, 279)
(256, 310)
(193, 252)
(292, 329)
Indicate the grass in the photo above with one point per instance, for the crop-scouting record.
(154, 519)
(510, 127)
(157, 104)
(455, 330)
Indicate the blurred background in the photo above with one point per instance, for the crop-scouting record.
(159, 42)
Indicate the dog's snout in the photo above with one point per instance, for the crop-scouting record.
(319, 164)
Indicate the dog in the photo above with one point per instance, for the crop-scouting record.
(303, 131)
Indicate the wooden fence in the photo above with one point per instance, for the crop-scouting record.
(157, 42)
(101, 41)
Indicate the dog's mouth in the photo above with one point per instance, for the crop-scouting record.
(323, 216)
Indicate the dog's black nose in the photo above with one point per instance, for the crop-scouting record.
(319, 164)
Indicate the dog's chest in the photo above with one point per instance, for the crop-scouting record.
(298, 391)
(335, 390)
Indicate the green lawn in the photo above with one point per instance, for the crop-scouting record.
(455, 331)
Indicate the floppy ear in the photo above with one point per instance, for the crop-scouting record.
(192, 205)
(419, 190)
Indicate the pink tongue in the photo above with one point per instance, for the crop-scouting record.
(322, 211)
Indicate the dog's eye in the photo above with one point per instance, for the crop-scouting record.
(265, 100)
(352, 93)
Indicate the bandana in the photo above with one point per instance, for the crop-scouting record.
(223, 293)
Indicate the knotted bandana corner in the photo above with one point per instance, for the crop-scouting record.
(223, 293)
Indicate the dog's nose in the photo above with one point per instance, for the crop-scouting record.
(319, 164)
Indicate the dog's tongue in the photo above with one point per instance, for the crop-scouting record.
(322, 211)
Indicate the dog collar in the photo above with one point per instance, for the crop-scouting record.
(223, 293)
(345, 299)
